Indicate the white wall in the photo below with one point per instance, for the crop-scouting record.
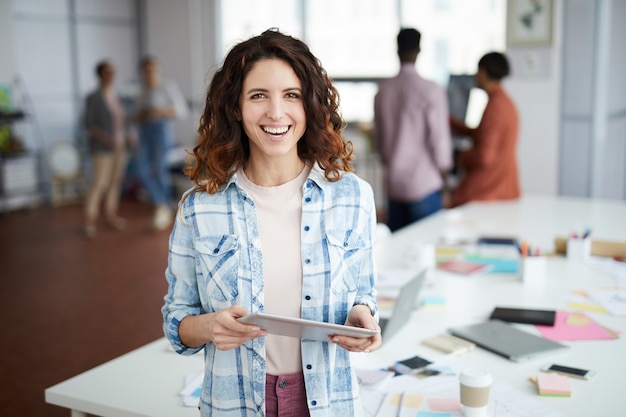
(593, 118)
(7, 42)
(535, 86)
(181, 35)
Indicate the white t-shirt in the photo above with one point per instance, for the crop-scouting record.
(279, 211)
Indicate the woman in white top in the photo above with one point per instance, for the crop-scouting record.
(277, 222)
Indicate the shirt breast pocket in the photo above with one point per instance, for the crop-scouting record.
(217, 262)
(345, 259)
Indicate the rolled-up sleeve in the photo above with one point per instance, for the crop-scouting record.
(366, 293)
(182, 298)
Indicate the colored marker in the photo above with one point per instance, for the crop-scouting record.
(586, 233)
(524, 250)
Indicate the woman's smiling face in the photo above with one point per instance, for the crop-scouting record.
(272, 110)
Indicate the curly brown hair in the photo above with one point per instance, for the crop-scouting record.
(223, 146)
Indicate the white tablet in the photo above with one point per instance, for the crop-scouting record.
(302, 328)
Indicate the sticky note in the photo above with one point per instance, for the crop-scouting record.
(433, 302)
(577, 319)
(413, 400)
(444, 404)
(433, 414)
(553, 385)
(408, 401)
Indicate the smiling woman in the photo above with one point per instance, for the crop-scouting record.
(278, 223)
(273, 119)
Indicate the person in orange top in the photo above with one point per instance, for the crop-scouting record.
(489, 167)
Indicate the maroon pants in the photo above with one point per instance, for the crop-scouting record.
(285, 396)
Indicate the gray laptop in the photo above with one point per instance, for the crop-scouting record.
(404, 306)
(505, 340)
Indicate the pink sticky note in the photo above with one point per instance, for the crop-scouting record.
(563, 331)
(553, 384)
(444, 404)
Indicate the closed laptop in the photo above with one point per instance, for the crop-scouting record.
(505, 340)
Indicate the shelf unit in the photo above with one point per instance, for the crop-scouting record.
(19, 173)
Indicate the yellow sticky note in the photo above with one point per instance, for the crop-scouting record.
(408, 401)
(577, 319)
(413, 400)
(586, 306)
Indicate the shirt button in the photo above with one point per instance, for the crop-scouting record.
(313, 402)
(216, 250)
(307, 200)
(307, 261)
(306, 228)
(309, 367)
(282, 384)
(307, 297)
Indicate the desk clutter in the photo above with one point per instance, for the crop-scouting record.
(443, 396)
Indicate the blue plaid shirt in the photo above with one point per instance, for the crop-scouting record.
(215, 261)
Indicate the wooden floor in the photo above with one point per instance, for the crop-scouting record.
(68, 304)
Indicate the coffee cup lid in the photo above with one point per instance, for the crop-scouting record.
(475, 377)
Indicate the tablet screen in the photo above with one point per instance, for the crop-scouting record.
(304, 329)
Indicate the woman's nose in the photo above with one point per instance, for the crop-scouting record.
(274, 110)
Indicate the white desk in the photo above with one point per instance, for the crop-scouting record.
(471, 299)
(141, 383)
(146, 382)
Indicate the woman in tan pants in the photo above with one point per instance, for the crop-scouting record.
(105, 121)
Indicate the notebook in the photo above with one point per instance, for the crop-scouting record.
(464, 267)
(524, 315)
(505, 340)
(405, 303)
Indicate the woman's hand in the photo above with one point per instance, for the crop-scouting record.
(220, 328)
(359, 316)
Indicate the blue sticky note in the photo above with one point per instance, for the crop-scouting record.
(498, 266)
(432, 414)
(433, 300)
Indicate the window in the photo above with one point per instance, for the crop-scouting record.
(356, 39)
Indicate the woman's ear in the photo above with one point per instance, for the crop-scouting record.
(238, 115)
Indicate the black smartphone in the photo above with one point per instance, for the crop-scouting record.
(569, 371)
(410, 365)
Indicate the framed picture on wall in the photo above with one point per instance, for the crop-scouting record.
(529, 22)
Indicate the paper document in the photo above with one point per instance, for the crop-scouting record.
(190, 394)
(440, 394)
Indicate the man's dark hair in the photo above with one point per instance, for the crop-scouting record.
(496, 65)
(409, 40)
(101, 66)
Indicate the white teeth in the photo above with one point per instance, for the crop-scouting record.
(276, 130)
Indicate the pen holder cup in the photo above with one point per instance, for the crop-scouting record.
(578, 249)
(533, 270)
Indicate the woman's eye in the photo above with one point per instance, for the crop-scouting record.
(257, 95)
(293, 95)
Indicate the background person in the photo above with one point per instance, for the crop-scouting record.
(158, 104)
(277, 222)
(412, 137)
(489, 168)
(105, 122)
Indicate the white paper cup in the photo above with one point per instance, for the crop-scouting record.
(475, 387)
